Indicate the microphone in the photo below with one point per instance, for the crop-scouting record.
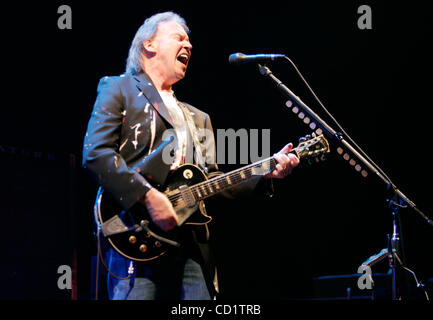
(239, 58)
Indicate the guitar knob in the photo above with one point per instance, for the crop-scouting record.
(132, 239)
(143, 248)
(158, 244)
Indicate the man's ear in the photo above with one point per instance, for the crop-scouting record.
(149, 47)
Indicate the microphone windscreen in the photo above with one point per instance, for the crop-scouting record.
(235, 58)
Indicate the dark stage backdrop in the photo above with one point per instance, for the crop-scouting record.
(325, 219)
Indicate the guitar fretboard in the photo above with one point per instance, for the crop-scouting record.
(220, 183)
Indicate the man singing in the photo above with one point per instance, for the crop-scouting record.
(130, 116)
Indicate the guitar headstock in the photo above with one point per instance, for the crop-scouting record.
(312, 146)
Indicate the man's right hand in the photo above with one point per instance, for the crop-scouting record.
(160, 209)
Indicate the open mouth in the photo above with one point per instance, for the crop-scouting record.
(183, 58)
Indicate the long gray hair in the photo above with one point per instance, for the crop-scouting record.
(145, 32)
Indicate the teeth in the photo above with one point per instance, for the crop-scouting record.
(183, 58)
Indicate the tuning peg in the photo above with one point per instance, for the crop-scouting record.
(302, 139)
(313, 134)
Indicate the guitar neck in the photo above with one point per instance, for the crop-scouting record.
(222, 182)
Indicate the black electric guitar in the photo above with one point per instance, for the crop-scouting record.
(133, 234)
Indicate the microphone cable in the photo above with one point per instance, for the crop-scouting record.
(390, 183)
(340, 128)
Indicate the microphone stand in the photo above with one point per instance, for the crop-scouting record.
(395, 203)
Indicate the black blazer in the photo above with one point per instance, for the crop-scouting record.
(127, 124)
(125, 130)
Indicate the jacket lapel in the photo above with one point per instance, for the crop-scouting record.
(146, 87)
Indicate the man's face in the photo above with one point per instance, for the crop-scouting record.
(172, 51)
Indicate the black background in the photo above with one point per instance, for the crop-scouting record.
(325, 219)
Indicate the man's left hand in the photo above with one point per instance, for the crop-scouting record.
(286, 163)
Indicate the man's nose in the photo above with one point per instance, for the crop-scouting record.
(187, 45)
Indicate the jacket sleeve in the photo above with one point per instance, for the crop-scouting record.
(101, 147)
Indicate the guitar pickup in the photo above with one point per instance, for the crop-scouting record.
(187, 196)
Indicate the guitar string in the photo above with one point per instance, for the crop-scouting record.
(234, 175)
(235, 178)
(219, 179)
(222, 182)
(215, 184)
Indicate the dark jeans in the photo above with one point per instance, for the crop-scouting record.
(173, 276)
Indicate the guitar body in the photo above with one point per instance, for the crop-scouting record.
(147, 243)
